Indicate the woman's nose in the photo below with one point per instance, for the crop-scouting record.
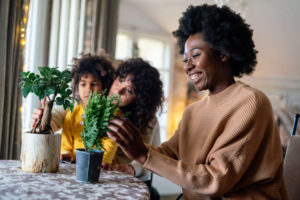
(120, 90)
(189, 65)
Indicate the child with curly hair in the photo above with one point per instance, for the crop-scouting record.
(89, 73)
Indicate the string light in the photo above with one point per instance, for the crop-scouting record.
(24, 23)
(23, 42)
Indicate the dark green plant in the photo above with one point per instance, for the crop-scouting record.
(51, 84)
(99, 110)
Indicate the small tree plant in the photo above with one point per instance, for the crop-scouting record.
(51, 84)
(99, 110)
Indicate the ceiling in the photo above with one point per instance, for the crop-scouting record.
(275, 24)
(165, 13)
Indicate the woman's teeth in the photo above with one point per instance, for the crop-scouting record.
(195, 76)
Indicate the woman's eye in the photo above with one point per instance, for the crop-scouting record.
(185, 60)
(131, 92)
(195, 56)
(82, 84)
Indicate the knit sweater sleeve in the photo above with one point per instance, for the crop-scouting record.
(234, 150)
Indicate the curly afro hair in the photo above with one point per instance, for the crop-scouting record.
(98, 65)
(225, 31)
(148, 89)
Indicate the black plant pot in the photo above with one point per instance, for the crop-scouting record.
(88, 165)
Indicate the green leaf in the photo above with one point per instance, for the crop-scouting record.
(49, 91)
(45, 71)
(69, 92)
(24, 74)
(59, 101)
(26, 89)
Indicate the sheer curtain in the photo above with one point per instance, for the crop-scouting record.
(57, 31)
(61, 30)
(11, 62)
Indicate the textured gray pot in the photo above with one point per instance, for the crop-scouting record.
(88, 165)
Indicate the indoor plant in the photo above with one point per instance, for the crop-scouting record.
(41, 147)
(99, 110)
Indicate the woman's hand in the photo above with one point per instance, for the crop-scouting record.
(129, 139)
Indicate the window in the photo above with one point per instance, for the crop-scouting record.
(155, 50)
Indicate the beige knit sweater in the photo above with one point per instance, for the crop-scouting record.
(226, 146)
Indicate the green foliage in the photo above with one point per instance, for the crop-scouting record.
(99, 110)
(50, 82)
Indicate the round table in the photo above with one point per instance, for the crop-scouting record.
(17, 184)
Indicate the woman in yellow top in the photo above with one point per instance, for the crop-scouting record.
(89, 73)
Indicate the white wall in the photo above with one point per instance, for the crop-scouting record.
(276, 35)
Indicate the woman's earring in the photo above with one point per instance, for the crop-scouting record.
(224, 58)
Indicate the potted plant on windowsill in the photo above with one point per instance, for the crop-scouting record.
(41, 147)
(99, 110)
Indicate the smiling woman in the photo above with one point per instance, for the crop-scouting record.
(227, 144)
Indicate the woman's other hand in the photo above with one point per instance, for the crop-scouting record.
(128, 137)
(127, 169)
(67, 157)
(106, 166)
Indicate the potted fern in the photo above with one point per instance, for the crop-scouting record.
(41, 147)
(99, 110)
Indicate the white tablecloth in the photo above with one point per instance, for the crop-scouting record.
(17, 184)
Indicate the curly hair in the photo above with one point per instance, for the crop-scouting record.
(148, 89)
(98, 65)
(225, 31)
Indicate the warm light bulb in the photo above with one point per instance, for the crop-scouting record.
(21, 109)
(23, 29)
(22, 35)
(23, 42)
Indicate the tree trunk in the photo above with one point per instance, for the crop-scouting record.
(45, 126)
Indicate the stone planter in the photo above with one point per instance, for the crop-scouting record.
(40, 152)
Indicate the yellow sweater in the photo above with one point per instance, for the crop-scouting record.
(71, 139)
(226, 146)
